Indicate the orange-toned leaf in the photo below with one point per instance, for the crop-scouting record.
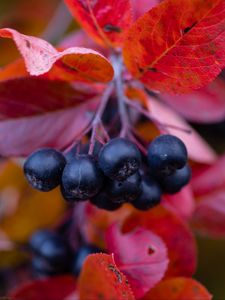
(106, 21)
(32, 209)
(179, 288)
(101, 279)
(141, 255)
(178, 45)
(56, 288)
(176, 235)
(71, 64)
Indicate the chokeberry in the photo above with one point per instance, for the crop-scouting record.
(52, 247)
(119, 159)
(38, 238)
(150, 195)
(175, 182)
(82, 178)
(67, 195)
(166, 153)
(42, 267)
(80, 257)
(103, 201)
(125, 191)
(43, 169)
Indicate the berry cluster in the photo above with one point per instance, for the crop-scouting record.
(52, 254)
(114, 174)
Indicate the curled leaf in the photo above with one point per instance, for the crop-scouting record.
(140, 255)
(71, 64)
(100, 278)
(174, 232)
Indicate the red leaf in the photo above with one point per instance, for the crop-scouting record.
(198, 149)
(210, 179)
(93, 222)
(58, 129)
(179, 288)
(101, 279)
(178, 45)
(26, 97)
(107, 21)
(57, 288)
(140, 255)
(206, 105)
(71, 64)
(209, 215)
(176, 235)
(182, 203)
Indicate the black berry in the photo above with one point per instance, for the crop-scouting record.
(42, 267)
(80, 257)
(150, 195)
(50, 246)
(175, 182)
(82, 177)
(125, 191)
(166, 153)
(103, 201)
(43, 169)
(67, 195)
(119, 159)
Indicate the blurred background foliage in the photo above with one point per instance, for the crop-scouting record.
(33, 17)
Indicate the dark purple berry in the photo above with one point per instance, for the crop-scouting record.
(103, 201)
(119, 159)
(82, 178)
(125, 191)
(150, 195)
(166, 154)
(175, 182)
(43, 169)
(50, 246)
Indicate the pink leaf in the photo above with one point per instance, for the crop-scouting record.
(142, 6)
(210, 179)
(140, 255)
(57, 129)
(205, 105)
(209, 216)
(181, 203)
(198, 149)
(73, 63)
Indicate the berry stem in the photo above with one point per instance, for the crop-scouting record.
(162, 126)
(97, 122)
(124, 117)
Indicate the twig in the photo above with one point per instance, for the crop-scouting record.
(124, 117)
(98, 116)
(147, 114)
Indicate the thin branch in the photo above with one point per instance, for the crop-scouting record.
(124, 117)
(97, 121)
